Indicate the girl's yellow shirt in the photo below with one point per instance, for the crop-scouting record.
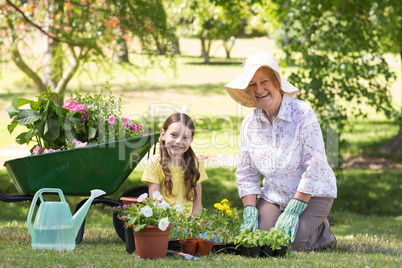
(153, 173)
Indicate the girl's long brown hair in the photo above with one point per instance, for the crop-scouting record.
(190, 162)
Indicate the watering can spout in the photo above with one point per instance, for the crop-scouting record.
(80, 215)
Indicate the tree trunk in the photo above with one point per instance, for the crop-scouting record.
(205, 49)
(20, 63)
(176, 46)
(227, 47)
(52, 63)
(120, 54)
(395, 145)
(286, 42)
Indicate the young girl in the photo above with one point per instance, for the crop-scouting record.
(176, 172)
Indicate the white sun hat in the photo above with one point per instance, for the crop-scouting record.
(236, 88)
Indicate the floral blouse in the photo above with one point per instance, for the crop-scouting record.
(290, 154)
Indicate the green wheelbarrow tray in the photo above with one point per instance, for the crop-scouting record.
(77, 171)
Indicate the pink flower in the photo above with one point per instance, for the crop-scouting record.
(78, 144)
(112, 120)
(37, 150)
(72, 106)
(127, 122)
(50, 150)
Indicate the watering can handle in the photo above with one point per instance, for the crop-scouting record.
(37, 195)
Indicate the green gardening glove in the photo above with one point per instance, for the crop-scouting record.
(250, 219)
(289, 219)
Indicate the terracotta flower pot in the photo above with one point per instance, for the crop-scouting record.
(152, 243)
(189, 245)
(204, 247)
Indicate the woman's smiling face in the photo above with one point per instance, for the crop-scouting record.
(264, 90)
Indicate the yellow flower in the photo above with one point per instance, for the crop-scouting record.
(225, 207)
(218, 206)
(237, 217)
(229, 212)
(224, 201)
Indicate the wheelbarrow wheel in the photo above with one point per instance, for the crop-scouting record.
(133, 192)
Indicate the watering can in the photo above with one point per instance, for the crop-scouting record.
(54, 226)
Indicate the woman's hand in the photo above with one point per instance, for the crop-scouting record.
(250, 213)
(289, 219)
(250, 219)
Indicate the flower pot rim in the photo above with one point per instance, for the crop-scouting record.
(188, 240)
(153, 227)
(129, 199)
(200, 240)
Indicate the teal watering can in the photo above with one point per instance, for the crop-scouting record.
(54, 226)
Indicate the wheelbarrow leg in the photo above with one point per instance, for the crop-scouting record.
(15, 198)
(101, 200)
(117, 223)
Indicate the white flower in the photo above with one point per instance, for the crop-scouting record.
(147, 211)
(179, 208)
(142, 198)
(163, 205)
(157, 195)
(163, 224)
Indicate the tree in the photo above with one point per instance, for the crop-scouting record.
(211, 20)
(335, 44)
(78, 32)
(389, 16)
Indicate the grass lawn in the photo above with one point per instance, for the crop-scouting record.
(363, 239)
(368, 214)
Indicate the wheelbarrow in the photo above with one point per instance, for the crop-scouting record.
(77, 171)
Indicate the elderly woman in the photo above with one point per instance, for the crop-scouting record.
(282, 141)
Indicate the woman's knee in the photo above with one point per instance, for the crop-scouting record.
(268, 213)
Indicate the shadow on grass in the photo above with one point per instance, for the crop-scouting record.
(368, 245)
(364, 138)
(369, 192)
(203, 89)
(214, 61)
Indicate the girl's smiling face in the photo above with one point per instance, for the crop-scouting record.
(177, 139)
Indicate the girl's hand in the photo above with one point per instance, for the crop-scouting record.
(153, 187)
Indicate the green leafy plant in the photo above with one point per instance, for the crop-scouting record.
(248, 238)
(186, 225)
(148, 211)
(44, 120)
(274, 238)
(83, 120)
(225, 222)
